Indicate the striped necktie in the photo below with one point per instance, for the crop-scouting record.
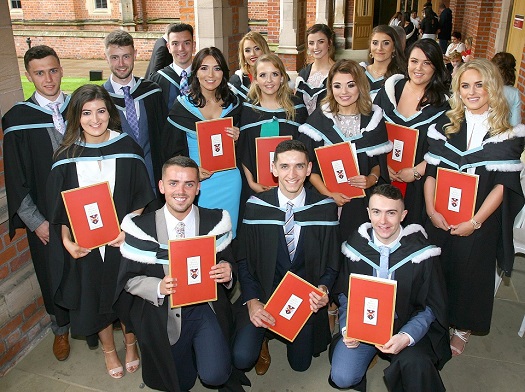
(131, 112)
(289, 223)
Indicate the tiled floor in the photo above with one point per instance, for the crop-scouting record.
(495, 362)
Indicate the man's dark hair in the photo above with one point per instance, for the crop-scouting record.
(291, 145)
(119, 38)
(39, 52)
(179, 28)
(389, 191)
(181, 161)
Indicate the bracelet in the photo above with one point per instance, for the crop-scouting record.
(417, 176)
(375, 175)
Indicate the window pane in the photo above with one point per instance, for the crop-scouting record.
(101, 4)
(16, 4)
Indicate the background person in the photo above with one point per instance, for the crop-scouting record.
(311, 81)
(506, 64)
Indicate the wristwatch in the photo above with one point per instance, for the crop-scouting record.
(417, 176)
(475, 224)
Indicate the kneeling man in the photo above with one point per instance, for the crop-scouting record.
(420, 346)
(180, 343)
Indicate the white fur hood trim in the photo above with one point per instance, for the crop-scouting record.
(390, 87)
(517, 131)
(310, 132)
(224, 227)
(432, 252)
(239, 74)
(431, 159)
(410, 229)
(505, 167)
(130, 227)
(298, 80)
(433, 133)
(348, 253)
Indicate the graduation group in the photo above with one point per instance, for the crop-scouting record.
(139, 135)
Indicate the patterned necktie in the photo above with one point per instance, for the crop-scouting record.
(383, 262)
(131, 112)
(288, 229)
(179, 230)
(58, 120)
(184, 86)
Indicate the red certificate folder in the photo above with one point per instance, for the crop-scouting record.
(405, 143)
(338, 163)
(455, 195)
(216, 148)
(371, 307)
(290, 305)
(92, 215)
(190, 262)
(264, 149)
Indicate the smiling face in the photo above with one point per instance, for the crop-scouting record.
(420, 68)
(268, 78)
(251, 51)
(209, 74)
(180, 186)
(121, 60)
(345, 92)
(94, 120)
(46, 74)
(382, 47)
(318, 45)
(291, 168)
(386, 216)
(181, 47)
(472, 92)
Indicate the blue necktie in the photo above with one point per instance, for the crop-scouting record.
(289, 223)
(131, 112)
(383, 261)
(184, 85)
(58, 120)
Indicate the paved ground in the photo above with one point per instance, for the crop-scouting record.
(491, 363)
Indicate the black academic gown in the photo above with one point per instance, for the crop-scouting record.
(87, 285)
(258, 244)
(169, 82)
(160, 57)
(149, 322)
(307, 92)
(372, 145)
(240, 84)
(151, 94)
(420, 284)
(375, 84)
(469, 262)
(252, 118)
(387, 99)
(28, 156)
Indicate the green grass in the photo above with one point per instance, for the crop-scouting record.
(68, 85)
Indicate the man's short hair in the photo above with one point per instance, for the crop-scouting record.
(39, 52)
(291, 145)
(389, 191)
(119, 38)
(179, 28)
(181, 161)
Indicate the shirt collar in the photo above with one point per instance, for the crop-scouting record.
(392, 244)
(118, 87)
(43, 101)
(171, 221)
(178, 70)
(298, 201)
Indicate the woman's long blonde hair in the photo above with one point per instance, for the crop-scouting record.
(258, 40)
(498, 119)
(284, 94)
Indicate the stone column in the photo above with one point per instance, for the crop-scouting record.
(221, 23)
(339, 23)
(128, 17)
(292, 28)
(323, 10)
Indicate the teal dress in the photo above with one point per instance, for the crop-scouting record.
(223, 189)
